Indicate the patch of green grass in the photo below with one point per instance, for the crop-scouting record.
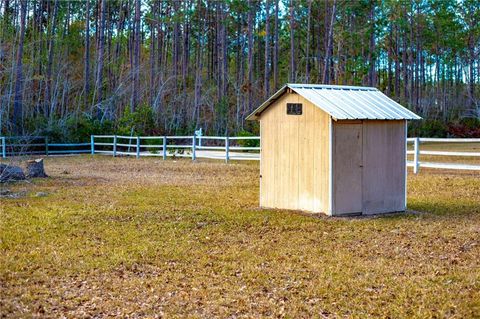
(144, 238)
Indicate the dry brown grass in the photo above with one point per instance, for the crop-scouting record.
(146, 238)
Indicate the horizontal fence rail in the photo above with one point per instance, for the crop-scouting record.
(38, 145)
(416, 152)
(212, 147)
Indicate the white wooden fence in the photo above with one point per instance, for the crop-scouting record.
(416, 163)
(213, 147)
(32, 145)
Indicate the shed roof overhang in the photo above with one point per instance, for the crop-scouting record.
(344, 102)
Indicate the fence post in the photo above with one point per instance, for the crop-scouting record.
(198, 133)
(416, 147)
(92, 144)
(4, 147)
(164, 147)
(46, 145)
(114, 145)
(138, 146)
(227, 149)
(194, 148)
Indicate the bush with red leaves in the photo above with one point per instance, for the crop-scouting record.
(465, 128)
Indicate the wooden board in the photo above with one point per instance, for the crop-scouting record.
(321, 160)
(384, 166)
(347, 174)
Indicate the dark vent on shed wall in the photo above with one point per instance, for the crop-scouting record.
(294, 108)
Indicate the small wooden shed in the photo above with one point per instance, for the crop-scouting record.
(340, 150)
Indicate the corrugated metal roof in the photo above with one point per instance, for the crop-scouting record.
(345, 102)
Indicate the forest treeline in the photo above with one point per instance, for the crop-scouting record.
(71, 68)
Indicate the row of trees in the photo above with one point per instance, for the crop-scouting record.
(208, 63)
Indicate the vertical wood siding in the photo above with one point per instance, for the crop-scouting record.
(347, 167)
(384, 166)
(295, 157)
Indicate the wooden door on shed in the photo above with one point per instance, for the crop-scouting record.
(347, 166)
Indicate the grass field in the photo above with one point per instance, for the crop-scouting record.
(146, 238)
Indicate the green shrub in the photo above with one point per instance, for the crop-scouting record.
(470, 123)
(80, 128)
(428, 128)
(74, 129)
(140, 122)
(248, 143)
(40, 126)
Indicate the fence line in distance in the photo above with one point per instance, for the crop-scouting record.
(222, 149)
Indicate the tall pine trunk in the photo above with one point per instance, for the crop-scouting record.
(51, 44)
(86, 70)
(275, 49)
(266, 83)
(136, 57)
(250, 20)
(293, 71)
(18, 95)
(329, 47)
(371, 51)
(307, 53)
(151, 82)
(100, 57)
(198, 74)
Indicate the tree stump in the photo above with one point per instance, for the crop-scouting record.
(35, 168)
(10, 173)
